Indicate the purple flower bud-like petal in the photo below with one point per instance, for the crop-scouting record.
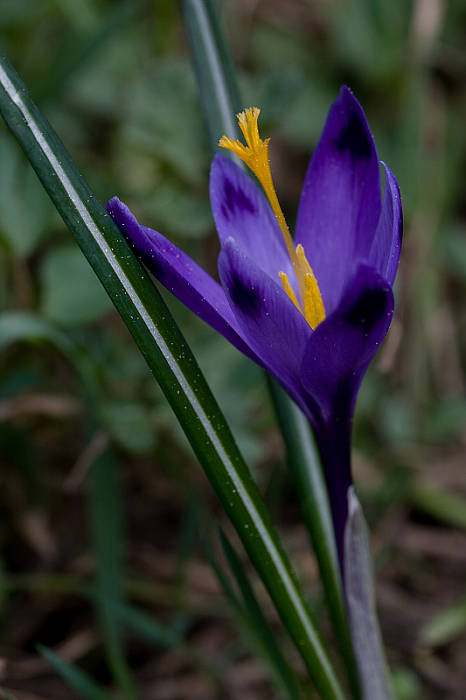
(180, 275)
(352, 242)
(340, 201)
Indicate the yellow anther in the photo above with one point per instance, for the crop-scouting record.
(313, 306)
(256, 156)
(304, 266)
(289, 290)
(314, 311)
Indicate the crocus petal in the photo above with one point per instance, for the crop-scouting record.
(386, 246)
(342, 346)
(340, 202)
(274, 328)
(180, 275)
(242, 212)
(336, 357)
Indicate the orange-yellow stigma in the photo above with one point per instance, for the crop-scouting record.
(256, 156)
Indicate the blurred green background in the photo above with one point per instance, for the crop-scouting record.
(115, 80)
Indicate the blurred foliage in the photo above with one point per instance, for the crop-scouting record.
(115, 80)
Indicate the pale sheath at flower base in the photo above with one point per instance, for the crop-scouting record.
(312, 315)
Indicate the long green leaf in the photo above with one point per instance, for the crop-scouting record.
(444, 625)
(220, 100)
(80, 48)
(214, 67)
(441, 504)
(21, 326)
(107, 542)
(285, 678)
(304, 461)
(172, 363)
(74, 677)
(168, 636)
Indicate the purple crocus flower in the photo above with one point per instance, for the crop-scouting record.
(317, 328)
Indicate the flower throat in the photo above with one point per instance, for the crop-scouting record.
(256, 156)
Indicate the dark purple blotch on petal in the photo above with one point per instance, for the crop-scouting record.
(275, 330)
(242, 212)
(367, 309)
(354, 138)
(246, 297)
(235, 201)
(341, 347)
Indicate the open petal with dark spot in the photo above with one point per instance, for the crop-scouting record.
(341, 348)
(180, 275)
(242, 212)
(340, 202)
(275, 330)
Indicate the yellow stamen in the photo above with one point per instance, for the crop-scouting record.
(313, 306)
(256, 156)
(289, 290)
(314, 311)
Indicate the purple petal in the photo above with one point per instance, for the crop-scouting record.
(342, 346)
(340, 202)
(180, 275)
(386, 246)
(274, 329)
(336, 357)
(242, 212)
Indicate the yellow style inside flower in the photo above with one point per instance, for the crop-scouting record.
(256, 156)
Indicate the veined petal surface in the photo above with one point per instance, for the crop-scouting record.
(341, 200)
(274, 328)
(242, 212)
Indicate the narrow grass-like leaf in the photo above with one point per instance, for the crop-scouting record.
(107, 540)
(19, 326)
(440, 504)
(247, 624)
(74, 677)
(263, 634)
(306, 468)
(360, 598)
(220, 100)
(223, 579)
(15, 327)
(83, 46)
(187, 539)
(445, 625)
(167, 636)
(172, 363)
(214, 67)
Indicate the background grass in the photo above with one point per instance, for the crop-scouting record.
(115, 81)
